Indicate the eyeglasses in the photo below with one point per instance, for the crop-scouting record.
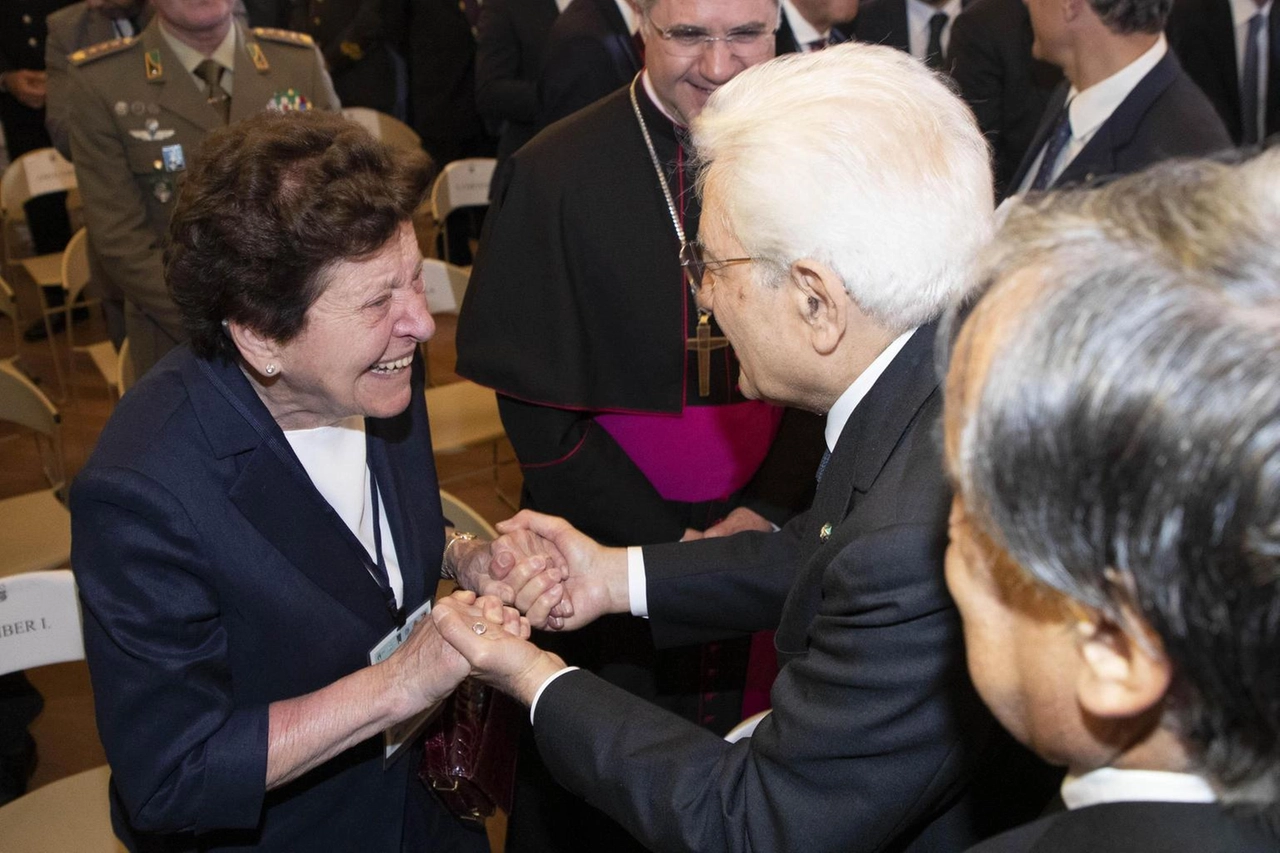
(684, 40)
(694, 260)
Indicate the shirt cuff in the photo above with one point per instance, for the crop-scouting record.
(637, 584)
(533, 706)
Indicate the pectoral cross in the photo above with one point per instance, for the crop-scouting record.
(703, 343)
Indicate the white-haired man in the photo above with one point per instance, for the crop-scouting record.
(829, 289)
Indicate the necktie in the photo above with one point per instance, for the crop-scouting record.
(933, 53)
(1053, 151)
(816, 44)
(822, 466)
(211, 72)
(1249, 81)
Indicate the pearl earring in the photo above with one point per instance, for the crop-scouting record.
(271, 370)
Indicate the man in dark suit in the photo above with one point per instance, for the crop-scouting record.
(509, 48)
(592, 50)
(829, 294)
(806, 25)
(1006, 87)
(358, 40)
(920, 27)
(1222, 44)
(1120, 605)
(1126, 102)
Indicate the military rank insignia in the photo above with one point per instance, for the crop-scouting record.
(288, 100)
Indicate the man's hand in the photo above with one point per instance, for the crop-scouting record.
(501, 658)
(519, 568)
(737, 521)
(596, 581)
(28, 86)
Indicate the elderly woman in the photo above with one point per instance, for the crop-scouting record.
(260, 525)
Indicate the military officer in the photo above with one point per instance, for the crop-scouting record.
(143, 107)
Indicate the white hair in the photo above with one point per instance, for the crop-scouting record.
(859, 157)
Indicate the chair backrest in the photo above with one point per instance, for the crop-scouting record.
(445, 284)
(464, 518)
(124, 368)
(35, 173)
(22, 403)
(75, 265)
(462, 183)
(387, 128)
(9, 308)
(39, 620)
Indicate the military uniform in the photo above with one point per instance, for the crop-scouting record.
(140, 123)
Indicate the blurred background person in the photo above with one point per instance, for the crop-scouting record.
(260, 519)
(358, 39)
(1122, 606)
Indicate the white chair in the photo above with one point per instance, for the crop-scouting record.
(9, 308)
(464, 518)
(124, 367)
(445, 285)
(461, 184)
(387, 128)
(72, 814)
(747, 727)
(35, 528)
(32, 175)
(74, 276)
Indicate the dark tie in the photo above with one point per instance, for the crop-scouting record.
(1249, 80)
(211, 72)
(822, 466)
(933, 54)
(816, 44)
(1053, 150)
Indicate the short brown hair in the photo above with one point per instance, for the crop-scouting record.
(272, 202)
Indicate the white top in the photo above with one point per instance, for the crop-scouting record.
(1092, 107)
(335, 458)
(225, 54)
(1112, 785)
(1241, 12)
(836, 419)
(804, 31)
(563, 4)
(918, 15)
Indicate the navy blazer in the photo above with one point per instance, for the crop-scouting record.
(215, 580)
(1166, 115)
(876, 734)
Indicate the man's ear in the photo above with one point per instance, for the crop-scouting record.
(1124, 672)
(1071, 9)
(257, 351)
(819, 296)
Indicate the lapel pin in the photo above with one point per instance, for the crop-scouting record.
(825, 533)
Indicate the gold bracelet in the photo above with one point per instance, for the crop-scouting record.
(445, 570)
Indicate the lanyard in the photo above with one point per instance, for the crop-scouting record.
(378, 569)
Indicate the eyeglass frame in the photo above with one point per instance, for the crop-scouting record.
(707, 39)
(695, 263)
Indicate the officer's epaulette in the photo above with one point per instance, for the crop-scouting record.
(97, 51)
(283, 36)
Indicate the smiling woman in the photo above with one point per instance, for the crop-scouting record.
(259, 529)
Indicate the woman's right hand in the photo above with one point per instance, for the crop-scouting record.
(504, 659)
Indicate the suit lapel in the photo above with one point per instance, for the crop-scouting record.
(869, 438)
(176, 91)
(275, 495)
(1273, 73)
(899, 31)
(785, 40)
(1098, 156)
(1047, 121)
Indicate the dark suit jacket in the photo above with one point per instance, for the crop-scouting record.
(875, 728)
(1007, 88)
(883, 22)
(785, 38)
(589, 54)
(509, 44)
(215, 580)
(1165, 116)
(441, 50)
(22, 37)
(1202, 33)
(1138, 828)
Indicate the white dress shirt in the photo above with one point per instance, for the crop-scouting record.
(806, 34)
(1241, 12)
(1112, 785)
(1090, 109)
(918, 15)
(224, 55)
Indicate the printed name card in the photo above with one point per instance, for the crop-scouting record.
(48, 172)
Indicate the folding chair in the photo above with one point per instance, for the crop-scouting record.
(387, 128)
(461, 184)
(73, 813)
(32, 175)
(73, 277)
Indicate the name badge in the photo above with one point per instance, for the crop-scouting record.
(399, 736)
